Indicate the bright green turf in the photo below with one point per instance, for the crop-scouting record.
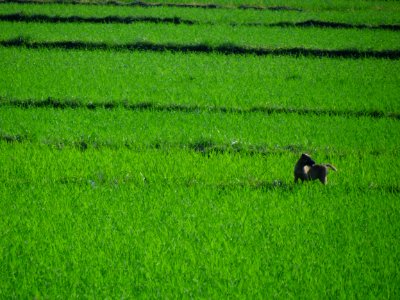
(118, 224)
(108, 204)
(316, 38)
(316, 5)
(379, 15)
(258, 132)
(207, 80)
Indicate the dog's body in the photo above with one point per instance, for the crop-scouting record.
(302, 167)
(307, 169)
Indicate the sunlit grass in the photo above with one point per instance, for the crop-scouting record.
(355, 8)
(200, 79)
(140, 202)
(316, 38)
(378, 16)
(248, 132)
(101, 223)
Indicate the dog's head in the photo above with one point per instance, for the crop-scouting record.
(307, 160)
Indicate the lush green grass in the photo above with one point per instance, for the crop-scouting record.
(121, 203)
(276, 133)
(340, 5)
(311, 4)
(217, 16)
(88, 224)
(319, 38)
(230, 81)
(38, 165)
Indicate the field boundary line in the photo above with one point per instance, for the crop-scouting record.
(226, 49)
(158, 4)
(120, 179)
(149, 106)
(202, 146)
(311, 23)
(39, 18)
(114, 19)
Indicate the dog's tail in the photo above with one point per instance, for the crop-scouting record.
(330, 166)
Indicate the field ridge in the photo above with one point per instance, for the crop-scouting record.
(330, 24)
(227, 49)
(175, 107)
(28, 18)
(203, 146)
(157, 4)
(252, 184)
(41, 18)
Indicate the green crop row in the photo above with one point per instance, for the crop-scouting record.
(318, 38)
(311, 5)
(215, 16)
(133, 201)
(198, 79)
(202, 131)
(279, 5)
(177, 224)
(126, 203)
(37, 165)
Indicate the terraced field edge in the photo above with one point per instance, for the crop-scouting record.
(154, 4)
(253, 184)
(21, 17)
(142, 106)
(227, 49)
(204, 146)
(31, 18)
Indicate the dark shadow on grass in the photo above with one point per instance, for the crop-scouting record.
(266, 186)
(155, 4)
(276, 185)
(272, 8)
(289, 186)
(29, 18)
(324, 24)
(13, 138)
(149, 106)
(21, 17)
(227, 49)
(208, 147)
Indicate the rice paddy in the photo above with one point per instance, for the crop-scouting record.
(154, 172)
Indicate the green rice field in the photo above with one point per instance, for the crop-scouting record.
(147, 151)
